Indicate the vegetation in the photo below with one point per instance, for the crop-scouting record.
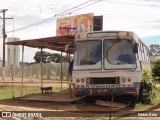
(146, 88)
(155, 102)
(8, 91)
(156, 70)
(48, 57)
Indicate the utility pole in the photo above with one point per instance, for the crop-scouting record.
(4, 37)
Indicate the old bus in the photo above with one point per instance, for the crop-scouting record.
(109, 62)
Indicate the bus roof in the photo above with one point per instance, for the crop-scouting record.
(110, 33)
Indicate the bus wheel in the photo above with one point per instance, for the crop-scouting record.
(90, 100)
(133, 100)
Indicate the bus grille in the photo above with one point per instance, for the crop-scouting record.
(108, 80)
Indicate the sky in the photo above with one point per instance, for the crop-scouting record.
(37, 18)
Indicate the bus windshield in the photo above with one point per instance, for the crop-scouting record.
(88, 55)
(119, 54)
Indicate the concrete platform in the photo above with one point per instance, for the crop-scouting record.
(59, 97)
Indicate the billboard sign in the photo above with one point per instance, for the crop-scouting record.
(75, 24)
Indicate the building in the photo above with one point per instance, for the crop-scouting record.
(13, 52)
(0, 63)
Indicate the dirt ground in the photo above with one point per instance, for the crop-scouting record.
(85, 111)
(15, 105)
(32, 82)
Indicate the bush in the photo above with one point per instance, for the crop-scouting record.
(156, 70)
(146, 95)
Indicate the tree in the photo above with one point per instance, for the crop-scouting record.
(48, 57)
(154, 50)
(56, 58)
(156, 70)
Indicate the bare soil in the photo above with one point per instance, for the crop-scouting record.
(32, 82)
(17, 105)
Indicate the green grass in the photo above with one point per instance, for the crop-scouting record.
(6, 92)
(157, 93)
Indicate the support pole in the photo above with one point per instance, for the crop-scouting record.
(110, 115)
(25, 66)
(12, 81)
(67, 71)
(70, 77)
(61, 72)
(69, 57)
(112, 101)
(41, 69)
(22, 71)
(4, 37)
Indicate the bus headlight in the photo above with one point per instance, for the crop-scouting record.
(123, 80)
(128, 79)
(77, 80)
(82, 80)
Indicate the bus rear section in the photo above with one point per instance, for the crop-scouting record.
(106, 63)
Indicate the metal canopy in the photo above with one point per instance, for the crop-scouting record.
(57, 43)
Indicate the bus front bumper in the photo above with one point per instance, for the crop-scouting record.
(105, 91)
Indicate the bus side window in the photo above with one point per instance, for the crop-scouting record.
(140, 52)
(135, 47)
(148, 60)
(146, 54)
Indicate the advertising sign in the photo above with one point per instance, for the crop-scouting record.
(75, 24)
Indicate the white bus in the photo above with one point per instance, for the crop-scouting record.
(109, 62)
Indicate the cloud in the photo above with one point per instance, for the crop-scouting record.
(156, 21)
(152, 0)
(20, 21)
(26, 20)
(149, 27)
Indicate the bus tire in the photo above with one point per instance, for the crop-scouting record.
(133, 100)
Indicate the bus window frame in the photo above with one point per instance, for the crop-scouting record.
(118, 68)
(84, 40)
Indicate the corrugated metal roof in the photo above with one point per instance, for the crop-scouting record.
(57, 43)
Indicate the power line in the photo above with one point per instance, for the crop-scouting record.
(109, 13)
(49, 10)
(131, 3)
(132, 17)
(31, 14)
(78, 7)
(35, 7)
